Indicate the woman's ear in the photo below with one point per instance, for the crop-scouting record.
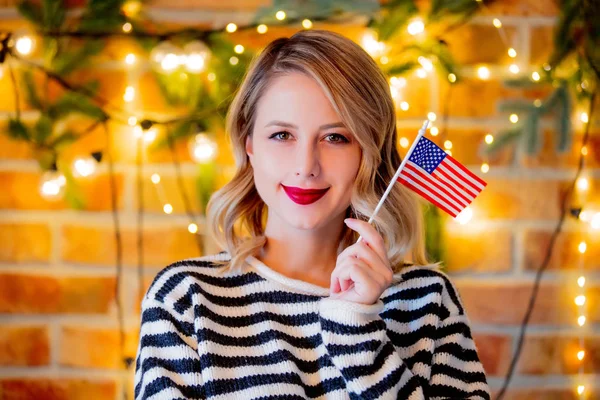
(249, 150)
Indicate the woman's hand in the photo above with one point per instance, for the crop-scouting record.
(362, 271)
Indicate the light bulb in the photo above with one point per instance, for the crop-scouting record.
(202, 148)
(582, 247)
(584, 118)
(192, 228)
(24, 42)
(448, 144)
(84, 167)
(580, 300)
(130, 59)
(434, 131)
(580, 389)
(514, 68)
(239, 49)
(197, 56)
(129, 94)
(464, 216)
(127, 27)
(581, 320)
(514, 118)
(422, 73)
(452, 78)
(168, 209)
(512, 53)
(583, 184)
(371, 45)
(307, 24)
(234, 60)
(404, 106)
(280, 15)
(404, 142)
(485, 168)
(231, 27)
(262, 28)
(497, 23)
(425, 63)
(595, 222)
(416, 26)
(535, 76)
(431, 116)
(580, 354)
(581, 281)
(483, 73)
(165, 56)
(489, 139)
(155, 178)
(52, 185)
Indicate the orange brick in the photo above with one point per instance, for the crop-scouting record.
(485, 250)
(417, 94)
(506, 303)
(25, 242)
(20, 293)
(95, 192)
(565, 253)
(473, 97)
(13, 149)
(24, 345)
(542, 44)
(494, 352)
(519, 199)
(92, 347)
(471, 44)
(548, 156)
(545, 394)
(97, 246)
(57, 389)
(521, 8)
(557, 355)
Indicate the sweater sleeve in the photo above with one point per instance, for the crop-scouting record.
(167, 364)
(350, 332)
(356, 339)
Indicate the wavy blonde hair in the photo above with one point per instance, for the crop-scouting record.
(360, 93)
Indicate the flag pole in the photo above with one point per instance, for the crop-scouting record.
(397, 174)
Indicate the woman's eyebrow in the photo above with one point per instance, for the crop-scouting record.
(288, 125)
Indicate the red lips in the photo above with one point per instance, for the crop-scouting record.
(304, 196)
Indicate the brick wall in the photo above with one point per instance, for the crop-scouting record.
(58, 316)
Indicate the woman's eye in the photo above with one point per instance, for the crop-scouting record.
(341, 138)
(277, 134)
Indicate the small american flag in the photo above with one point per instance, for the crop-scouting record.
(435, 175)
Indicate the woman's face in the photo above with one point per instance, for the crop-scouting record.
(299, 141)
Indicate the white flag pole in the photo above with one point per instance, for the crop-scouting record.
(397, 174)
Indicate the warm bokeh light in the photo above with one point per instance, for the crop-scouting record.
(192, 228)
(262, 28)
(483, 72)
(231, 27)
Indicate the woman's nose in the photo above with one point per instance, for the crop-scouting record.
(307, 161)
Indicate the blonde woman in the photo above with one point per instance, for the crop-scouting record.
(293, 307)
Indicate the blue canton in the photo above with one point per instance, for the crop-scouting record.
(427, 155)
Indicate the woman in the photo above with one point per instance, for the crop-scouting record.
(295, 307)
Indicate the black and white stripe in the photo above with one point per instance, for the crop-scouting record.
(256, 334)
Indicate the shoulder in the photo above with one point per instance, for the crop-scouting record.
(174, 280)
(427, 283)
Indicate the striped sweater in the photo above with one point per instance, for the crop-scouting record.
(257, 334)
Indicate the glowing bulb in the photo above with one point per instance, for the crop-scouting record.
(452, 78)
(431, 116)
(84, 167)
(514, 68)
(168, 209)
(150, 135)
(280, 15)
(483, 73)
(165, 55)
(192, 228)
(127, 27)
(416, 26)
(580, 354)
(584, 151)
(512, 53)
(537, 103)
(234, 60)
(262, 28)
(489, 139)
(404, 106)
(434, 131)
(307, 24)
(231, 27)
(211, 77)
(448, 144)
(535, 76)
(464, 216)
(52, 185)
(583, 184)
(202, 148)
(132, 121)
(485, 168)
(497, 23)
(580, 389)
(404, 142)
(371, 45)
(426, 63)
(197, 56)
(514, 118)
(581, 281)
(584, 118)
(582, 247)
(129, 94)
(170, 62)
(421, 73)
(130, 59)
(595, 222)
(239, 49)
(155, 178)
(24, 45)
(581, 320)
(580, 300)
